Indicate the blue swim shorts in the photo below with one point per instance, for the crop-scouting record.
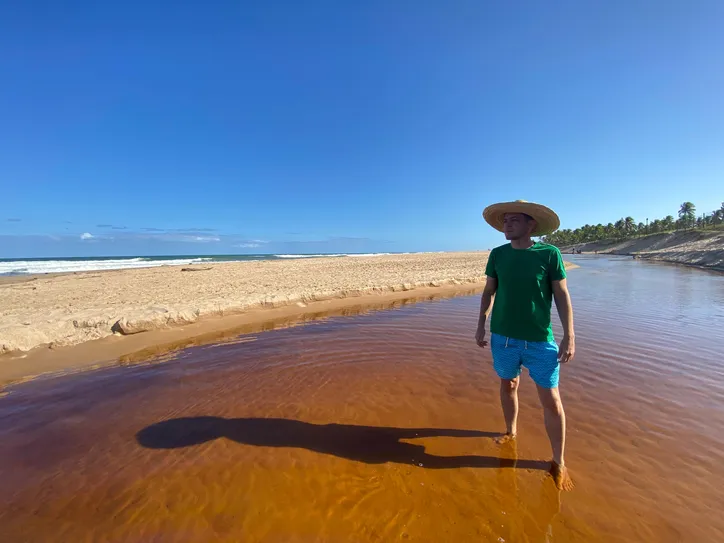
(540, 357)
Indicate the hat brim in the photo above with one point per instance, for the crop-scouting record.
(546, 219)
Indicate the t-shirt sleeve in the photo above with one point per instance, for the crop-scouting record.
(556, 268)
(490, 267)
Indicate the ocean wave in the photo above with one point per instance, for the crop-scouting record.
(60, 265)
(31, 267)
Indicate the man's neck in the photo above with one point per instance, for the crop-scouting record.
(522, 243)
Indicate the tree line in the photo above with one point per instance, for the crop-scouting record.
(627, 227)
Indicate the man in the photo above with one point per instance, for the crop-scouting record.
(524, 276)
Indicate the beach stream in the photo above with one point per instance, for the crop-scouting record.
(379, 427)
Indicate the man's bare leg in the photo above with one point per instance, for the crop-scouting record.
(509, 401)
(555, 420)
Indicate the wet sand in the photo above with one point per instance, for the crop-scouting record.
(317, 432)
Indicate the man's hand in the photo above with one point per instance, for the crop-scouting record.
(567, 349)
(491, 284)
(480, 337)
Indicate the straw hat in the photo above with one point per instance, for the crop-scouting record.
(546, 219)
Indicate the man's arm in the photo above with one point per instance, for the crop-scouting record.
(486, 303)
(567, 348)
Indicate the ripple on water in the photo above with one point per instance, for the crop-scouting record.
(304, 433)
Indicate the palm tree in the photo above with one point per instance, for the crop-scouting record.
(627, 227)
(687, 214)
(668, 223)
(620, 227)
(609, 230)
(717, 216)
(586, 233)
(599, 232)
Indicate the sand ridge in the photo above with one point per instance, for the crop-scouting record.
(68, 309)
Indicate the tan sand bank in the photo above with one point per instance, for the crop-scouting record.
(69, 309)
(700, 248)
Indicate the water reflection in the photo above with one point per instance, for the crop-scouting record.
(240, 334)
(284, 432)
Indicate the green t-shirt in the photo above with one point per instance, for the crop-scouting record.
(522, 307)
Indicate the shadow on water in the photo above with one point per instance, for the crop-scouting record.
(368, 444)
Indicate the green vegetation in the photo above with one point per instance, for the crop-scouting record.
(626, 228)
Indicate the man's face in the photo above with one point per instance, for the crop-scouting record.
(517, 226)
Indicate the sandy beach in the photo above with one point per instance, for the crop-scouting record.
(69, 309)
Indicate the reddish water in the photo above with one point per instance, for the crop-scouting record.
(378, 428)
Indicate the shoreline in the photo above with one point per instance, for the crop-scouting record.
(656, 259)
(695, 248)
(686, 259)
(164, 311)
(70, 309)
(103, 316)
(266, 413)
(162, 343)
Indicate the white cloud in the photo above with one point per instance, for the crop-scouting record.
(205, 239)
(247, 245)
(166, 237)
(86, 235)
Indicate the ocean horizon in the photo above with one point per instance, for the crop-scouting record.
(40, 265)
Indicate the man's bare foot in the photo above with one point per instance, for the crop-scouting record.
(505, 438)
(561, 477)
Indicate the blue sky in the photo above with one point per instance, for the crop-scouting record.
(327, 126)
